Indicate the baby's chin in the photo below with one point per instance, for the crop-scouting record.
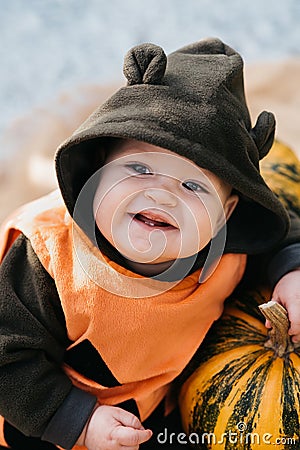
(145, 248)
(152, 249)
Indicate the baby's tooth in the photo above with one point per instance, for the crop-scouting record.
(149, 223)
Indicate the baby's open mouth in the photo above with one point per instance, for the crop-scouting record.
(153, 220)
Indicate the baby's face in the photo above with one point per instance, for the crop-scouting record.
(155, 206)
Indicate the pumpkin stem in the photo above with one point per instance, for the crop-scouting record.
(278, 338)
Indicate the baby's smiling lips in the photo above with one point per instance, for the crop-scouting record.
(154, 220)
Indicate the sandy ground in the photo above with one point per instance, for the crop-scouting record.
(31, 141)
(275, 87)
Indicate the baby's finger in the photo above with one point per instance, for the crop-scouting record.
(130, 437)
(268, 324)
(296, 340)
(294, 332)
(294, 318)
(127, 419)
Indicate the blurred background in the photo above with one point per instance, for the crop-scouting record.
(61, 58)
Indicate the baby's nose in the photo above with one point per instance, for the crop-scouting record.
(161, 196)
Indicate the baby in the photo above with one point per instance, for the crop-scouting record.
(111, 283)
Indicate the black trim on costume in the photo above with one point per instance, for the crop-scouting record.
(85, 359)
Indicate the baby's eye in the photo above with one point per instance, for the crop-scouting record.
(194, 187)
(140, 169)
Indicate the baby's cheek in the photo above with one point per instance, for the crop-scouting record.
(216, 216)
(196, 235)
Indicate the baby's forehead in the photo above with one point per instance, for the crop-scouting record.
(131, 149)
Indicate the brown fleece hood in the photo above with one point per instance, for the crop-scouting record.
(191, 102)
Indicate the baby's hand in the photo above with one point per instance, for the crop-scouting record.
(112, 428)
(287, 293)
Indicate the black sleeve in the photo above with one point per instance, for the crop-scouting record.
(284, 258)
(36, 396)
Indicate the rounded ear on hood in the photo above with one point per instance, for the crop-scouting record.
(263, 133)
(145, 64)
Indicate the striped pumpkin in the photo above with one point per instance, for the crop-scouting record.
(245, 393)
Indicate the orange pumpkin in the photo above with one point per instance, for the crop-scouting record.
(245, 393)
